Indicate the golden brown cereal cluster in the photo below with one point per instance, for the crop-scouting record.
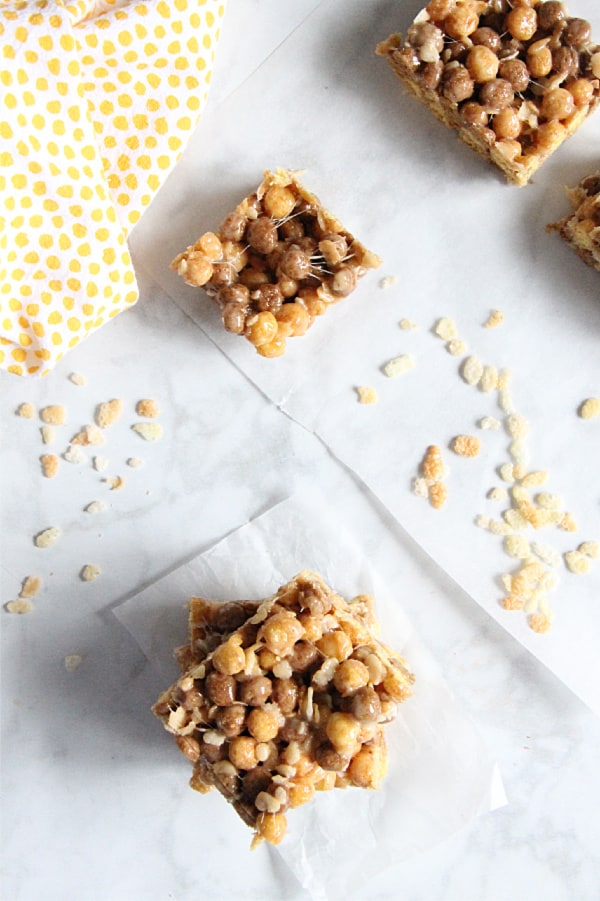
(515, 78)
(283, 698)
(277, 262)
(581, 229)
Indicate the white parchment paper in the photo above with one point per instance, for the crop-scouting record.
(440, 777)
(460, 242)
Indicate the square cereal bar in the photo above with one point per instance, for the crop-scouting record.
(277, 261)
(515, 79)
(581, 229)
(283, 697)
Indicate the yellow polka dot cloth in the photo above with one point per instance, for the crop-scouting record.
(97, 99)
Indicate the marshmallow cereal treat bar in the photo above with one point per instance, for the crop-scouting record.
(581, 229)
(515, 78)
(277, 262)
(281, 698)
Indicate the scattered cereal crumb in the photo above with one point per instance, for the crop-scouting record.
(365, 395)
(114, 482)
(445, 328)
(519, 471)
(497, 494)
(466, 445)
(89, 572)
(48, 434)
(498, 527)
(433, 466)
(420, 487)
(50, 464)
(21, 605)
(546, 553)
(72, 662)
(489, 422)
(149, 431)
(89, 434)
(504, 379)
(517, 546)
(408, 325)
(515, 519)
(489, 379)
(512, 603)
(99, 463)
(386, 282)
(539, 622)
(136, 462)
(518, 451)
(48, 537)
(74, 454)
(55, 414)
(95, 507)
(482, 521)
(507, 472)
(25, 411)
(577, 562)
(505, 401)
(495, 319)
(30, 586)
(457, 347)
(590, 408)
(438, 494)
(108, 412)
(549, 581)
(517, 426)
(549, 501)
(148, 408)
(590, 549)
(567, 522)
(399, 365)
(534, 479)
(77, 378)
(472, 370)
(519, 493)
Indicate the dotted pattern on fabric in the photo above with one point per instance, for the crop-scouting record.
(97, 100)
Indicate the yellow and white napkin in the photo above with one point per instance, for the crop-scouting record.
(97, 100)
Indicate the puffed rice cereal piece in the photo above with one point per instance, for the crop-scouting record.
(577, 563)
(420, 487)
(135, 462)
(565, 522)
(148, 408)
(549, 501)
(472, 370)
(30, 586)
(89, 572)
(25, 411)
(399, 365)
(457, 347)
(489, 422)
(95, 507)
(50, 464)
(466, 445)
(55, 414)
(546, 553)
(517, 426)
(100, 463)
(495, 319)
(446, 328)
(438, 494)
(73, 662)
(507, 472)
(590, 549)
(489, 379)
(497, 494)
(20, 606)
(48, 433)
(89, 434)
(77, 379)
(48, 537)
(366, 394)
(149, 431)
(108, 412)
(540, 622)
(534, 479)
(408, 325)
(115, 483)
(387, 281)
(74, 454)
(590, 408)
(517, 546)
(433, 466)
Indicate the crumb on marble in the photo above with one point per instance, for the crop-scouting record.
(472, 370)
(77, 379)
(466, 445)
(147, 407)
(149, 431)
(20, 606)
(25, 411)
(50, 464)
(30, 586)
(495, 319)
(47, 537)
(89, 572)
(399, 365)
(457, 347)
(589, 408)
(366, 394)
(108, 412)
(73, 662)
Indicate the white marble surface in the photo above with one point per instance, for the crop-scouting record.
(95, 801)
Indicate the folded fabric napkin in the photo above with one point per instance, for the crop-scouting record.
(97, 100)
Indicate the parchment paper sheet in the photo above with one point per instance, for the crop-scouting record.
(460, 242)
(441, 776)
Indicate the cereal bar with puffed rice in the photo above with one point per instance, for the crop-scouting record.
(277, 262)
(515, 79)
(581, 229)
(283, 697)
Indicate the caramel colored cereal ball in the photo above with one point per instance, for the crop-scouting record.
(274, 348)
(342, 731)
(262, 329)
(362, 769)
(280, 632)
(343, 282)
(209, 245)
(482, 63)
(539, 60)
(474, 114)
(229, 658)
(522, 22)
(293, 319)
(197, 269)
(279, 202)
(558, 103)
(582, 91)
(461, 21)
(506, 124)
(272, 827)
(350, 676)
(335, 644)
(263, 723)
(242, 752)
